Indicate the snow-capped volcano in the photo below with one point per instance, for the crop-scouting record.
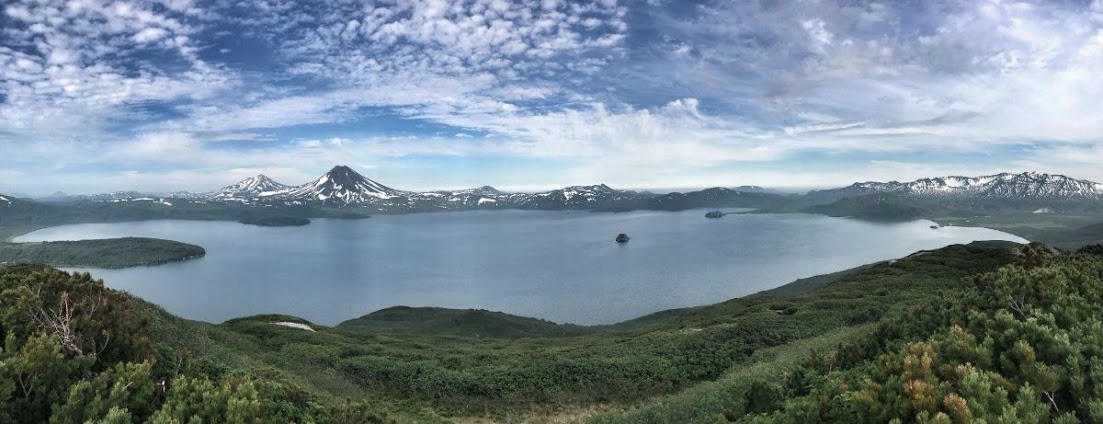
(1004, 185)
(340, 186)
(253, 187)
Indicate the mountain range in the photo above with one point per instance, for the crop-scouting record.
(343, 187)
(1026, 185)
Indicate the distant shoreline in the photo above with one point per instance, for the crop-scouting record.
(112, 253)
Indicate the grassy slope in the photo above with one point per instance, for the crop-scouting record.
(457, 322)
(107, 253)
(1067, 231)
(900, 284)
(879, 207)
(617, 367)
(1075, 237)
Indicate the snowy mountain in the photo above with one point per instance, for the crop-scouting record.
(341, 186)
(252, 187)
(5, 201)
(1027, 185)
(115, 196)
(578, 197)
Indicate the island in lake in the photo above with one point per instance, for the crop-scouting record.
(104, 253)
(276, 221)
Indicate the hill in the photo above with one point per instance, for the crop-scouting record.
(1005, 330)
(1073, 238)
(716, 197)
(877, 207)
(275, 221)
(457, 322)
(1005, 346)
(1025, 185)
(103, 253)
(292, 374)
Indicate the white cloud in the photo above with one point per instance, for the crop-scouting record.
(64, 67)
(608, 90)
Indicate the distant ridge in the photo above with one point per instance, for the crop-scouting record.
(458, 322)
(252, 187)
(1004, 185)
(342, 187)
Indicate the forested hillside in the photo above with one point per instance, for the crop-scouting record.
(1021, 344)
(104, 253)
(934, 337)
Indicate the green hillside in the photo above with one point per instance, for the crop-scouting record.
(457, 322)
(1017, 345)
(1076, 237)
(878, 207)
(104, 253)
(256, 370)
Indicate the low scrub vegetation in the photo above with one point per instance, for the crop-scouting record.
(979, 332)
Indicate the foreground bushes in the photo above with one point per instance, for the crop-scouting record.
(75, 352)
(1023, 344)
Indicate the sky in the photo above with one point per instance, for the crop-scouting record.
(163, 95)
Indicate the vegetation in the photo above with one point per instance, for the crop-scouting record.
(1066, 223)
(1075, 237)
(250, 369)
(1017, 345)
(457, 322)
(77, 352)
(24, 216)
(710, 198)
(276, 221)
(104, 253)
(877, 207)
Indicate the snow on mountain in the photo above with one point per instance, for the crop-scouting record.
(484, 191)
(115, 196)
(1005, 185)
(578, 197)
(343, 186)
(252, 187)
(5, 201)
(340, 186)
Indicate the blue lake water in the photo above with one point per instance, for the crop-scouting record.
(561, 266)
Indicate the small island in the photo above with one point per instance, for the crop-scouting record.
(275, 221)
(622, 238)
(714, 214)
(104, 253)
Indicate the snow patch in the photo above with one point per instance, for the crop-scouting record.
(298, 325)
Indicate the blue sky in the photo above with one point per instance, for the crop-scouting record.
(193, 95)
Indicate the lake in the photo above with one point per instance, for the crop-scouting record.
(560, 266)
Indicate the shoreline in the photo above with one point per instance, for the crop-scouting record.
(782, 292)
(105, 253)
(20, 232)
